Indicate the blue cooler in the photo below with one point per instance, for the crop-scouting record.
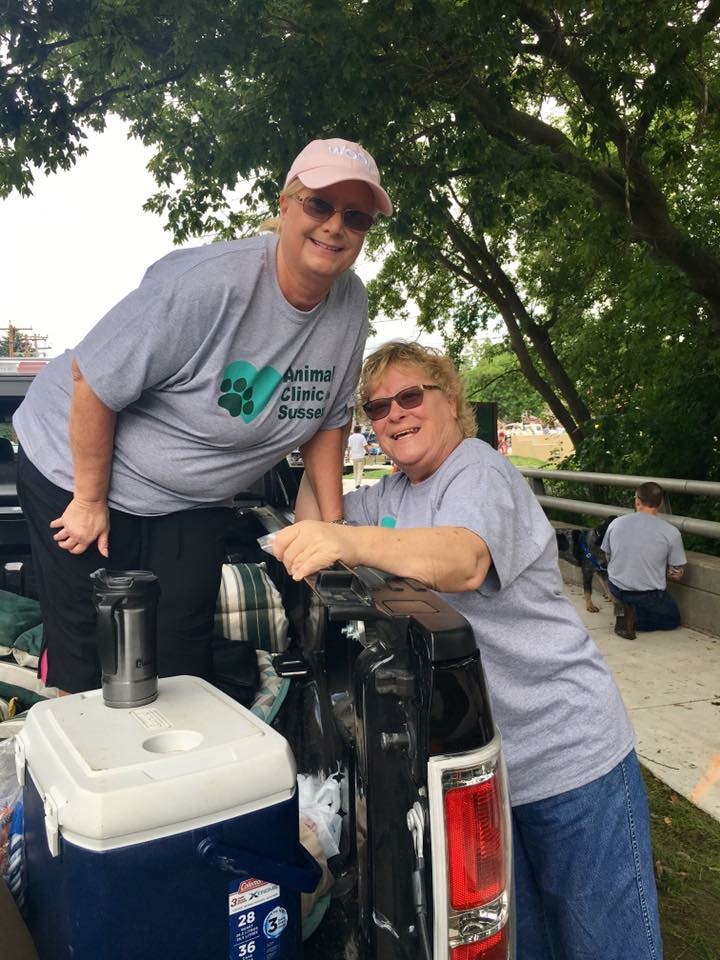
(167, 830)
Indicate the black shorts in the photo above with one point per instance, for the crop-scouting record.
(185, 550)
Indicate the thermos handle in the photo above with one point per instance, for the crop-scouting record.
(303, 875)
(106, 640)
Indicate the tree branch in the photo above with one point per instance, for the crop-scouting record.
(650, 221)
(680, 48)
(488, 282)
(553, 46)
(109, 95)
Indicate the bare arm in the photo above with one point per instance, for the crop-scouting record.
(675, 573)
(451, 559)
(323, 458)
(306, 506)
(92, 429)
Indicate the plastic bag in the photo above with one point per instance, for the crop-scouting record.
(319, 802)
(10, 792)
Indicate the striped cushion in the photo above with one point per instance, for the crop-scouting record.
(249, 607)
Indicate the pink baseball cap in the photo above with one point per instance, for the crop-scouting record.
(325, 162)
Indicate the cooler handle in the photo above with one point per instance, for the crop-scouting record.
(303, 875)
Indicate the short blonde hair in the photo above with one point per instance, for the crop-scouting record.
(273, 224)
(435, 367)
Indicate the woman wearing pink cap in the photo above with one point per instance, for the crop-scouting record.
(225, 358)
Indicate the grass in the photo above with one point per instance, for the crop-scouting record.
(528, 462)
(686, 846)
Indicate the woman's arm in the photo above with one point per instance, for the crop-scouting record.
(306, 506)
(92, 430)
(323, 458)
(451, 559)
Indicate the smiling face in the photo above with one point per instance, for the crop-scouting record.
(311, 255)
(421, 439)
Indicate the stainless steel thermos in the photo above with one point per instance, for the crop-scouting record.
(126, 604)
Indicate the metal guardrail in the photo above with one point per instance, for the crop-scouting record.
(700, 488)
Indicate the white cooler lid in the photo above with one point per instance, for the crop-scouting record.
(111, 776)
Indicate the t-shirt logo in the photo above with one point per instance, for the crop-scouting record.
(246, 390)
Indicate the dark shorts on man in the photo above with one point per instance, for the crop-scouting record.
(654, 609)
(185, 550)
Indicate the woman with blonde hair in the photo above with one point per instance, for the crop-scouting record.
(461, 519)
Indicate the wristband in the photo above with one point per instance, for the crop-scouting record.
(342, 521)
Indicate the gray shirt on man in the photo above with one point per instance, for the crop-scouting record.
(640, 547)
(555, 702)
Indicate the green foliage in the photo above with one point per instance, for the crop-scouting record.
(22, 345)
(491, 373)
(555, 170)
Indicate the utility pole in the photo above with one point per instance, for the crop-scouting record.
(13, 330)
(35, 337)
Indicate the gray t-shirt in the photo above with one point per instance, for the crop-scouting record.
(640, 548)
(554, 700)
(214, 375)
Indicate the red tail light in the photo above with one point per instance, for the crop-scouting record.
(494, 948)
(476, 850)
(472, 874)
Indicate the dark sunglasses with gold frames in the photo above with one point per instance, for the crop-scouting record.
(318, 209)
(408, 398)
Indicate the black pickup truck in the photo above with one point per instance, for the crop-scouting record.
(387, 694)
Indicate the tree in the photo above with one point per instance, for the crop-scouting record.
(491, 373)
(637, 83)
(495, 123)
(22, 345)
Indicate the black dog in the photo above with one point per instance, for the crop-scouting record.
(582, 548)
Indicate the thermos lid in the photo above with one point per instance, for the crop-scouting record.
(124, 583)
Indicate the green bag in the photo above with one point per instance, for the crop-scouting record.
(28, 645)
(17, 614)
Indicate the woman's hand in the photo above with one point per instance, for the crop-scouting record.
(83, 523)
(311, 545)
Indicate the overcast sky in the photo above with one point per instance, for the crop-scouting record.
(83, 241)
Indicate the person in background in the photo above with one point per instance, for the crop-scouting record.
(644, 552)
(225, 358)
(357, 451)
(461, 519)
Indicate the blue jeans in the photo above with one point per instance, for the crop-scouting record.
(584, 878)
(654, 609)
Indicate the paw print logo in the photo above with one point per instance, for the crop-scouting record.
(245, 390)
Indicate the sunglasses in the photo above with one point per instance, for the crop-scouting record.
(408, 398)
(318, 209)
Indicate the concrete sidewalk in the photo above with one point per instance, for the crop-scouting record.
(670, 682)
